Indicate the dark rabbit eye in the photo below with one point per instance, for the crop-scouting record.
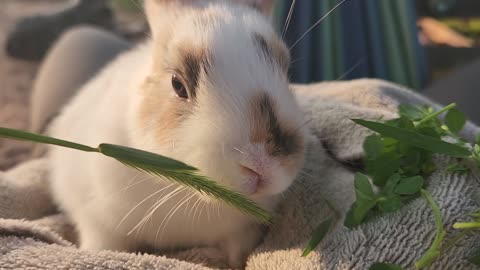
(179, 88)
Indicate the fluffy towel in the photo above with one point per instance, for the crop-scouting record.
(34, 236)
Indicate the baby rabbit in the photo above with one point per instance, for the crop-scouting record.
(209, 88)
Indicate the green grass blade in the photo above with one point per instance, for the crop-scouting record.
(419, 140)
(184, 174)
(27, 136)
(142, 157)
(466, 225)
(317, 237)
(434, 250)
(157, 165)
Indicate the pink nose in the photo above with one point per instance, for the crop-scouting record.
(250, 172)
(254, 179)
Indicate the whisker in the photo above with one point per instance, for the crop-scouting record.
(157, 205)
(289, 17)
(171, 213)
(240, 151)
(317, 23)
(140, 203)
(302, 125)
(350, 70)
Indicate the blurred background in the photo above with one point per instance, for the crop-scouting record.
(430, 46)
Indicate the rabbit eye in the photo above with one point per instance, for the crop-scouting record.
(179, 88)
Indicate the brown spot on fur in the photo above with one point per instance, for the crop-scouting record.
(193, 60)
(280, 139)
(161, 111)
(273, 50)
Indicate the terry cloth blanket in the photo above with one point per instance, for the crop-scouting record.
(34, 236)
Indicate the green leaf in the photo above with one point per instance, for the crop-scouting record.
(410, 185)
(458, 168)
(358, 212)
(431, 131)
(363, 188)
(415, 139)
(317, 236)
(412, 112)
(382, 167)
(475, 258)
(361, 210)
(385, 266)
(428, 167)
(373, 146)
(477, 139)
(27, 136)
(350, 221)
(455, 120)
(391, 204)
(391, 183)
(412, 160)
(401, 122)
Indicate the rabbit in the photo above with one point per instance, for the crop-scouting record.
(209, 88)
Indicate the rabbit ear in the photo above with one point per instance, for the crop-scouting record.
(157, 10)
(264, 6)
(153, 11)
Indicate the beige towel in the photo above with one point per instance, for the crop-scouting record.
(33, 236)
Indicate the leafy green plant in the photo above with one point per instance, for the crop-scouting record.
(399, 157)
(397, 160)
(157, 165)
(318, 235)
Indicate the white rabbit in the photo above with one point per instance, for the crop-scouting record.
(210, 89)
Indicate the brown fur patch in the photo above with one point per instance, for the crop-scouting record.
(280, 139)
(274, 50)
(192, 61)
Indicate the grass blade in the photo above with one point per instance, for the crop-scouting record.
(434, 250)
(27, 136)
(183, 174)
(317, 237)
(156, 165)
(419, 140)
(142, 157)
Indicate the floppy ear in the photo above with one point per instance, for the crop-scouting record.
(264, 6)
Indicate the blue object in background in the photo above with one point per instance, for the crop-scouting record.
(361, 38)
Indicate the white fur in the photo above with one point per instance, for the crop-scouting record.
(109, 202)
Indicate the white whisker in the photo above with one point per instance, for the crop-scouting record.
(240, 151)
(157, 205)
(350, 70)
(171, 213)
(140, 203)
(317, 23)
(289, 17)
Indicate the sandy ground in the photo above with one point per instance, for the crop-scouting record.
(16, 76)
